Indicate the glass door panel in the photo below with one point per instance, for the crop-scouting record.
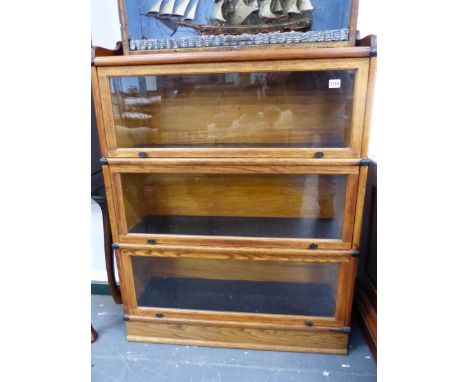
(248, 205)
(270, 287)
(306, 109)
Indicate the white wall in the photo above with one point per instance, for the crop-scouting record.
(106, 32)
(105, 25)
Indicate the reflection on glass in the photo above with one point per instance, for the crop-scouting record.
(277, 109)
(255, 205)
(237, 286)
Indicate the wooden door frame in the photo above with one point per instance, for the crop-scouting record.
(279, 321)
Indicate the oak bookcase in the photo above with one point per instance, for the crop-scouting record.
(235, 183)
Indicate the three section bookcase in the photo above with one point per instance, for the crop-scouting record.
(235, 183)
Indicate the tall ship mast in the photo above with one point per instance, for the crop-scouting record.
(238, 16)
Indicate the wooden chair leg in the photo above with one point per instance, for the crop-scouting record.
(109, 252)
(94, 334)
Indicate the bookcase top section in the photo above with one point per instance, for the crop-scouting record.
(104, 57)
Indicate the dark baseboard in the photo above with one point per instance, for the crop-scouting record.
(100, 287)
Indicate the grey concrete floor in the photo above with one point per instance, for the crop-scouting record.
(115, 359)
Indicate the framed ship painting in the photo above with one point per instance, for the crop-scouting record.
(173, 25)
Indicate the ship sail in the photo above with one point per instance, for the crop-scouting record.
(305, 5)
(265, 10)
(242, 11)
(190, 13)
(181, 8)
(290, 6)
(154, 10)
(277, 6)
(168, 9)
(236, 16)
(218, 11)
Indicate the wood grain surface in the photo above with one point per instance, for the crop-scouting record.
(248, 338)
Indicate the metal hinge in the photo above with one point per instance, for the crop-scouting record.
(355, 254)
(373, 52)
(365, 162)
(126, 318)
(115, 246)
(103, 161)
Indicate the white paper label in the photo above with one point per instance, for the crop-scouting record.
(334, 84)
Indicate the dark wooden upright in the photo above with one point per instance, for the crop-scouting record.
(366, 284)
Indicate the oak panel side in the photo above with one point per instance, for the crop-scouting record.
(121, 222)
(329, 342)
(350, 207)
(239, 67)
(107, 111)
(341, 293)
(128, 284)
(112, 207)
(359, 207)
(359, 107)
(98, 112)
(351, 282)
(369, 106)
(124, 287)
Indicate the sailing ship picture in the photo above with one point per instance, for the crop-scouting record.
(234, 17)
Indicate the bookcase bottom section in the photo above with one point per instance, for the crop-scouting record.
(315, 340)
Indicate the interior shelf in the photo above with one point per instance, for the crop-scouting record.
(309, 299)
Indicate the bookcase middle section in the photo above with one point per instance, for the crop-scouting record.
(303, 207)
